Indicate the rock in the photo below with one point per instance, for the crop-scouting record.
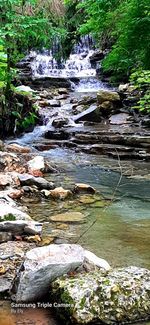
(97, 56)
(90, 114)
(87, 100)
(14, 147)
(21, 227)
(86, 199)
(60, 193)
(78, 109)
(37, 163)
(30, 180)
(9, 179)
(62, 91)
(122, 118)
(123, 87)
(11, 162)
(8, 212)
(106, 106)
(25, 89)
(46, 82)
(69, 217)
(59, 122)
(58, 135)
(93, 259)
(5, 236)
(1, 145)
(81, 187)
(105, 95)
(118, 296)
(15, 194)
(11, 257)
(43, 265)
(54, 103)
(62, 97)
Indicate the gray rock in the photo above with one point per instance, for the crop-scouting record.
(21, 226)
(90, 114)
(122, 118)
(119, 296)
(54, 103)
(45, 264)
(5, 236)
(29, 180)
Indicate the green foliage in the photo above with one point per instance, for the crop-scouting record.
(124, 28)
(141, 79)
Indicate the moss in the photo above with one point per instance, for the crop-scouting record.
(8, 217)
(82, 302)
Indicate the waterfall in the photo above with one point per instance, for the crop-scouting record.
(77, 65)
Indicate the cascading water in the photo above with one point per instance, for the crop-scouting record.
(78, 65)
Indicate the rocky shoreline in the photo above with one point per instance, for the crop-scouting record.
(31, 268)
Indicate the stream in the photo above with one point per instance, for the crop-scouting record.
(117, 232)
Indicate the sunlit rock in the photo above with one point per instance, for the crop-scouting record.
(106, 95)
(14, 147)
(81, 187)
(60, 193)
(45, 264)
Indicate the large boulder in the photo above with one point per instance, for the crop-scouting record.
(90, 114)
(119, 296)
(43, 265)
(106, 95)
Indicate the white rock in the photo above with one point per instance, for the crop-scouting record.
(36, 163)
(6, 209)
(45, 264)
(93, 259)
(25, 88)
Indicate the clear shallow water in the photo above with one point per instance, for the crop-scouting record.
(121, 231)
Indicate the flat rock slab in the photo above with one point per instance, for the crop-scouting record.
(43, 265)
(68, 217)
(118, 296)
(122, 118)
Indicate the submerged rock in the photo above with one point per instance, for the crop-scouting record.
(119, 296)
(72, 216)
(43, 265)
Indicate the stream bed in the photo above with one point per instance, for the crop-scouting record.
(116, 219)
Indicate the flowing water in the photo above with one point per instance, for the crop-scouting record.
(118, 230)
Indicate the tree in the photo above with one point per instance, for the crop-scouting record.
(122, 26)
